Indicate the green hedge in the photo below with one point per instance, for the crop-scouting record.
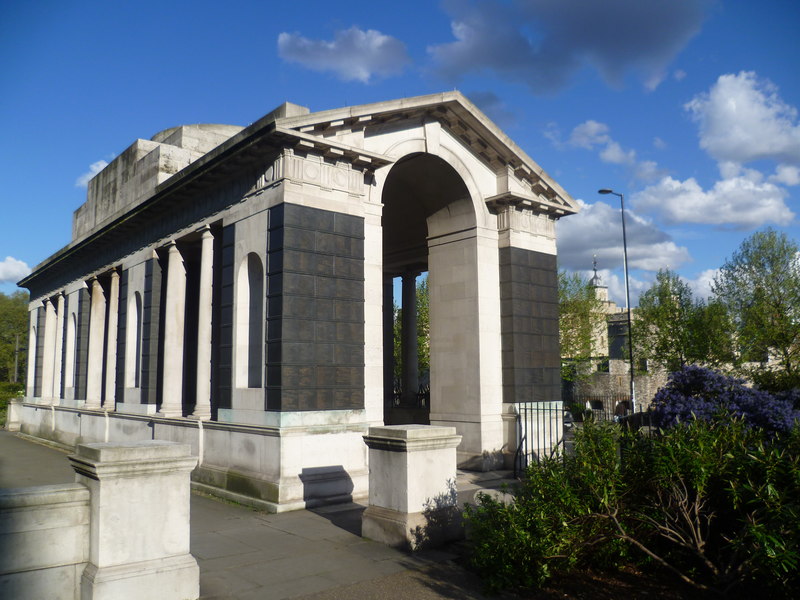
(716, 504)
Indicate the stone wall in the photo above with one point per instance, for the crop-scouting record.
(99, 538)
(44, 536)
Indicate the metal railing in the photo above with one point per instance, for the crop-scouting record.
(541, 428)
(546, 429)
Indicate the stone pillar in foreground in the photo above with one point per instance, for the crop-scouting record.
(97, 327)
(139, 533)
(412, 486)
(109, 400)
(175, 312)
(202, 407)
(49, 349)
(57, 359)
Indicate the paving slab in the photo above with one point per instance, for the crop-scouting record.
(316, 554)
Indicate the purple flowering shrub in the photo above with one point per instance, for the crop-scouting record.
(699, 393)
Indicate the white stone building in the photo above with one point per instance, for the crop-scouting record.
(230, 288)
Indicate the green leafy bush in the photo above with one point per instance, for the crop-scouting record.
(717, 503)
(548, 526)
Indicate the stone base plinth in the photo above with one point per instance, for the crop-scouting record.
(139, 534)
(411, 531)
(173, 577)
(412, 485)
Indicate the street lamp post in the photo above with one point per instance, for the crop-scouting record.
(627, 290)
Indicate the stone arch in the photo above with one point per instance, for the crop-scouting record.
(418, 145)
(434, 219)
(249, 322)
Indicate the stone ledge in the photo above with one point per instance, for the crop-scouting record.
(44, 495)
(411, 438)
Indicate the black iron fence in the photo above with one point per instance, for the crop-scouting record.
(541, 428)
(547, 429)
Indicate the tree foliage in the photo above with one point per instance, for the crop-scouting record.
(581, 319)
(760, 286)
(13, 334)
(713, 502)
(673, 328)
(663, 332)
(423, 332)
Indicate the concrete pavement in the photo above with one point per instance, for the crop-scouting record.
(312, 554)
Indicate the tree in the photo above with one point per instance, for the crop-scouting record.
(581, 321)
(712, 340)
(13, 335)
(423, 332)
(674, 329)
(760, 286)
(664, 317)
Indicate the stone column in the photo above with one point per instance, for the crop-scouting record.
(174, 313)
(58, 366)
(409, 339)
(49, 348)
(388, 338)
(111, 343)
(412, 486)
(202, 407)
(97, 326)
(139, 525)
(30, 385)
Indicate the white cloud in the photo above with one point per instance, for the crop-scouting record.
(742, 202)
(593, 134)
(597, 230)
(786, 174)
(94, 169)
(679, 74)
(742, 119)
(659, 143)
(12, 270)
(701, 285)
(614, 154)
(589, 134)
(353, 55)
(543, 43)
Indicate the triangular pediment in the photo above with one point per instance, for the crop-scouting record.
(521, 181)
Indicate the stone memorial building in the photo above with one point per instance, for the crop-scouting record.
(232, 288)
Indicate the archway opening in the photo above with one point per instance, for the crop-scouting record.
(424, 198)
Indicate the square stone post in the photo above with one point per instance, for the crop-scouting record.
(412, 485)
(139, 533)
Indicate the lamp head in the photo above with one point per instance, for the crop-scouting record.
(605, 191)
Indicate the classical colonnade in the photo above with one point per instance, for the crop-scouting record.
(56, 364)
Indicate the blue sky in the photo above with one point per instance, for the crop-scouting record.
(688, 107)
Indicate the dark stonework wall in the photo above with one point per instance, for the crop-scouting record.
(223, 318)
(82, 343)
(65, 322)
(315, 310)
(122, 335)
(529, 326)
(151, 329)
